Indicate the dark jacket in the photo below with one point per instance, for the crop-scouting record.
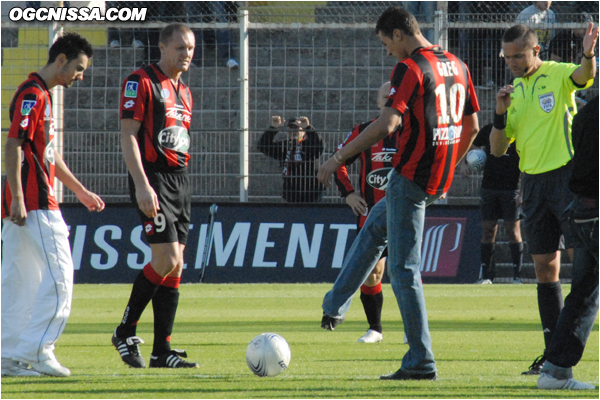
(297, 159)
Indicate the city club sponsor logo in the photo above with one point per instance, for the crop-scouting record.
(447, 135)
(441, 247)
(129, 104)
(26, 106)
(24, 123)
(547, 101)
(378, 178)
(179, 113)
(383, 156)
(131, 89)
(175, 138)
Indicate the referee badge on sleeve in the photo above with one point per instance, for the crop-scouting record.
(547, 101)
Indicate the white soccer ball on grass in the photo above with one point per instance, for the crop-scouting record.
(268, 354)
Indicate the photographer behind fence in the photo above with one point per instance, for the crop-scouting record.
(296, 148)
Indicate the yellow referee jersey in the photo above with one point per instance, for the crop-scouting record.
(540, 116)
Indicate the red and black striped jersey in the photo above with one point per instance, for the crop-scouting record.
(165, 111)
(432, 89)
(31, 119)
(376, 164)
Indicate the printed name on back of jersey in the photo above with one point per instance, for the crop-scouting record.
(149, 228)
(26, 106)
(131, 89)
(447, 135)
(129, 104)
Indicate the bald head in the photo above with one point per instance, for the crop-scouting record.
(382, 95)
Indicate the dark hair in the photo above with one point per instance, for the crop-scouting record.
(397, 18)
(293, 123)
(169, 30)
(522, 32)
(71, 44)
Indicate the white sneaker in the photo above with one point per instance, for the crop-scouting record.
(371, 337)
(12, 367)
(517, 281)
(483, 282)
(50, 367)
(231, 64)
(547, 381)
(114, 44)
(137, 44)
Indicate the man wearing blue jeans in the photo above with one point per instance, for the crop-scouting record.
(431, 109)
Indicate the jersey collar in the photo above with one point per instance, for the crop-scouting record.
(37, 77)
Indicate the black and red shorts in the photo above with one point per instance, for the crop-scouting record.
(172, 222)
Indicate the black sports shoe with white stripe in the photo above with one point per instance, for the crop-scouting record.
(129, 350)
(172, 359)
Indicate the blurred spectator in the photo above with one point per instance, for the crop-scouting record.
(211, 11)
(117, 36)
(540, 17)
(423, 11)
(567, 46)
(296, 149)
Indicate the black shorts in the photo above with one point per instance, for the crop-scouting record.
(499, 204)
(545, 198)
(172, 222)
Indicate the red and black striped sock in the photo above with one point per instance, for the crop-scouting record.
(164, 304)
(372, 300)
(144, 288)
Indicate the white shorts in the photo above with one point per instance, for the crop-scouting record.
(37, 285)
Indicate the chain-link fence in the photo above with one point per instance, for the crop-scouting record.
(316, 59)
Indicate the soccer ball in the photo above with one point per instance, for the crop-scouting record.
(268, 354)
(476, 160)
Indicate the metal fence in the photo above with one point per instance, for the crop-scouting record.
(317, 59)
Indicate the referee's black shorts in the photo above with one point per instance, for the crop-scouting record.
(545, 198)
(172, 222)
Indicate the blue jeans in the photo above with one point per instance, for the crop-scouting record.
(581, 305)
(402, 213)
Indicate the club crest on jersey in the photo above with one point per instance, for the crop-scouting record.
(131, 89)
(26, 106)
(149, 228)
(379, 178)
(175, 138)
(547, 101)
(129, 104)
(47, 111)
(165, 93)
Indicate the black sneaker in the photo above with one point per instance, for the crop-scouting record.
(129, 350)
(536, 367)
(409, 376)
(172, 359)
(330, 323)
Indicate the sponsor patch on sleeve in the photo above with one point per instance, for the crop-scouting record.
(129, 104)
(131, 89)
(24, 123)
(26, 107)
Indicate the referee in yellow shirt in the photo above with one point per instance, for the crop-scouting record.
(537, 111)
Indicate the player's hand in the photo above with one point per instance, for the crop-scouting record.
(303, 122)
(91, 200)
(277, 121)
(18, 212)
(147, 200)
(503, 98)
(589, 39)
(358, 205)
(326, 170)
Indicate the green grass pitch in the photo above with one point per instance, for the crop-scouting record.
(483, 338)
